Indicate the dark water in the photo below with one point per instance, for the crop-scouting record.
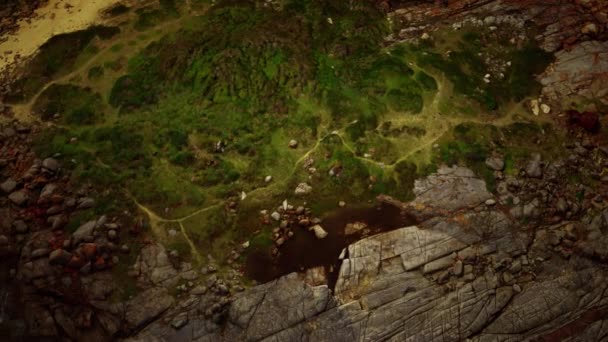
(305, 251)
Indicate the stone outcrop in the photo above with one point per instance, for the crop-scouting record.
(463, 274)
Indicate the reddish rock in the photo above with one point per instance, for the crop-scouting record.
(89, 250)
(100, 263)
(77, 261)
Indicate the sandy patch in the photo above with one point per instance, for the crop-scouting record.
(57, 17)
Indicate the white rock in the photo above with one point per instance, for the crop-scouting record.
(330, 21)
(545, 108)
(425, 36)
(320, 233)
(275, 216)
(535, 107)
(303, 189)
(243, 195)
(268, 179)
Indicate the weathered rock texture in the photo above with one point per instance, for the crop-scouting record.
(474, 274)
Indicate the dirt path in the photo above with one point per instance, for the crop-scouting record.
(57, 17)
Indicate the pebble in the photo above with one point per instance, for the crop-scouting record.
(490, 202)
(268, 179)
(8, 186)
(342, 204)
(293, 143)
(275, 216)
(50, 164)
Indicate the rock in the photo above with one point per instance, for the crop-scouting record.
(320, 233)
(60, 257)
(280, 241)
(268, 179)
(275, 216)
(516, 288)
(293, 144)
(39, 253)
(342, 204)
(48, 190)
(179, 322)
(450, 189)
(495, 163)
(303, 189)
(353, 228)
(535, 107)
(50, 164)
(84, 231)
(545, 108)
(8, 186)
(88, 250)
(490, 202)
(112, 234)
(147, 306)
(562, 205)
(19, 198)
(534, 167)
(86, 203)
(458, 268)
(20, 227)
(125, 248)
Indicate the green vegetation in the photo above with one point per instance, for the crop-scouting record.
(207, 109)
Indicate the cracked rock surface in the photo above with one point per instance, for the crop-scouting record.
(473, 274)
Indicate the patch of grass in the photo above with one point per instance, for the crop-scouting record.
(75, 105)
(95, 72)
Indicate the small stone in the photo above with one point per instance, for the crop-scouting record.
(60, 257)
(458, 268)
(534, 106)
(303, 189)
(342, 204)
(86, 203)
(516, 288)
(19, 197)
(275, 216)
(39, 253)
(507, 277)
(490, 202)
(268, 179)
(320, 233)
(124, 249)
(280, 241)
(293, 143)
(545, 108)
(8, 186)
(50, 164)
(112, 235)
(443, 277)
(20, 227)
(495, 163)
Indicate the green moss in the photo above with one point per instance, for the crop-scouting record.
(75, 105)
